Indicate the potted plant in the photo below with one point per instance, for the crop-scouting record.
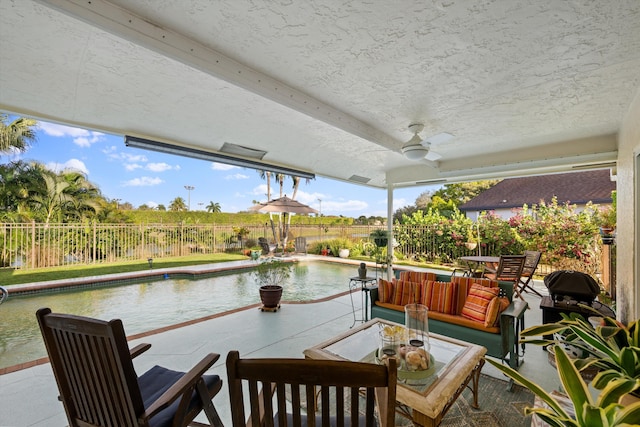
(380, 237)
(269, 274)
(610, 347)
(589, 411)
(472, 241)
(607, 220)
(241, 232)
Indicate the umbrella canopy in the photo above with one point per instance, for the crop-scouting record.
(285, 205)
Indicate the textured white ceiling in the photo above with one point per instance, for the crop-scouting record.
(331, 86)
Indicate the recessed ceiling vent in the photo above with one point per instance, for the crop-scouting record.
(432, 181)
(239, 150)
(604, 165)
(360, 179)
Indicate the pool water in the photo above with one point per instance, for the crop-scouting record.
(149, 305)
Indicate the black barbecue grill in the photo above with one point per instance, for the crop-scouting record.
(569, 292)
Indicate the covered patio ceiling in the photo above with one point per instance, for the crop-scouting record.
(330, 87)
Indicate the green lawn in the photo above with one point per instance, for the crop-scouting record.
(11, 276)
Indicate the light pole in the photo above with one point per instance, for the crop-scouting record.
(189, 188)
(117, 203)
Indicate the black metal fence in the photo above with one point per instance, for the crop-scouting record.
(35, 245)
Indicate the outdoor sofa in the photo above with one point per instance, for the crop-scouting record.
(479, 311)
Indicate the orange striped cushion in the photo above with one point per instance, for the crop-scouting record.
(417, 276)
(475, 307)
(462, 288)
(496, 306)
(438, 296)
(385, 290)
(403, 292)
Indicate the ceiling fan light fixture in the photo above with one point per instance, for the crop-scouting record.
(413, 149)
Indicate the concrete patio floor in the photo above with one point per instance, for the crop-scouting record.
(29, 397)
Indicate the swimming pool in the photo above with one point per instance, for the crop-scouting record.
(151, 304)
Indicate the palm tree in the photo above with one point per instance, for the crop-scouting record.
(178, 205)
(266, 175)
(214, 207)
(49, 197)
(18, 134)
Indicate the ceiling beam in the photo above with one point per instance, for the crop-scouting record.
(171, 44)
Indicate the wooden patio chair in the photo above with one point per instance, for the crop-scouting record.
(301, 245)
(99, 387)
(509, 270)
(301, 392)
(531, 261)
(267, 249)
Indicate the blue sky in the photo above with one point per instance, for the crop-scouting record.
(145, 177)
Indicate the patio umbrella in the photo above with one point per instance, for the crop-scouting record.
(284, 205)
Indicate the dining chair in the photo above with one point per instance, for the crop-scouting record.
(98, 385)
(509, 270)
(531, 261)
(300, 392)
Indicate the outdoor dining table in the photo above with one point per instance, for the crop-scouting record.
(479, 262)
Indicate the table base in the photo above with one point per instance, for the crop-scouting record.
(420, 419)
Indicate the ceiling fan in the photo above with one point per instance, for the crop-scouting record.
(418, 149)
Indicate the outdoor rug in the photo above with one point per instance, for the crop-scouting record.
(498, 406)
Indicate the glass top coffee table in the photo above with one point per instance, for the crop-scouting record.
(423, 399)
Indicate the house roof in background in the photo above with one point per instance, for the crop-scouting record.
(576, 188)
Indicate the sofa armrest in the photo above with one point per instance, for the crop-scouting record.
(373, 294)
(511, 323)
(516, 309)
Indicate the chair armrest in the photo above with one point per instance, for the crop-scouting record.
(139, 349)
(516, 309)
(184, 384)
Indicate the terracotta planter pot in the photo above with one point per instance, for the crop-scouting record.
(270, 295)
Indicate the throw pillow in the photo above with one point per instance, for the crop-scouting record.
(462, 288)
(385, 290)
(496, 306)
(475, 307)
(403, 293)
(417, 276)
(438, 296)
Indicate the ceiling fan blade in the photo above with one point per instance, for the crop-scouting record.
(433, 156)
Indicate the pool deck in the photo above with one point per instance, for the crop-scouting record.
(29, 396)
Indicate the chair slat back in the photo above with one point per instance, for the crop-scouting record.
(327, 388)
(92, 366)
(532, 258)
(510, 268)
(301, 244)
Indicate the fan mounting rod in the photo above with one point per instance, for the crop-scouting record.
(416, 127)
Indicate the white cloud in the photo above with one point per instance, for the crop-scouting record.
(152, 205)
(158, 167)
(81, 137)
(132, 166)
(69, 165)
(144, 181)
(53, 129)
(222, 167)
(237, 176)
(133, 157)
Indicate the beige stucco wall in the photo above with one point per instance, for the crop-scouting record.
(628, 294)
